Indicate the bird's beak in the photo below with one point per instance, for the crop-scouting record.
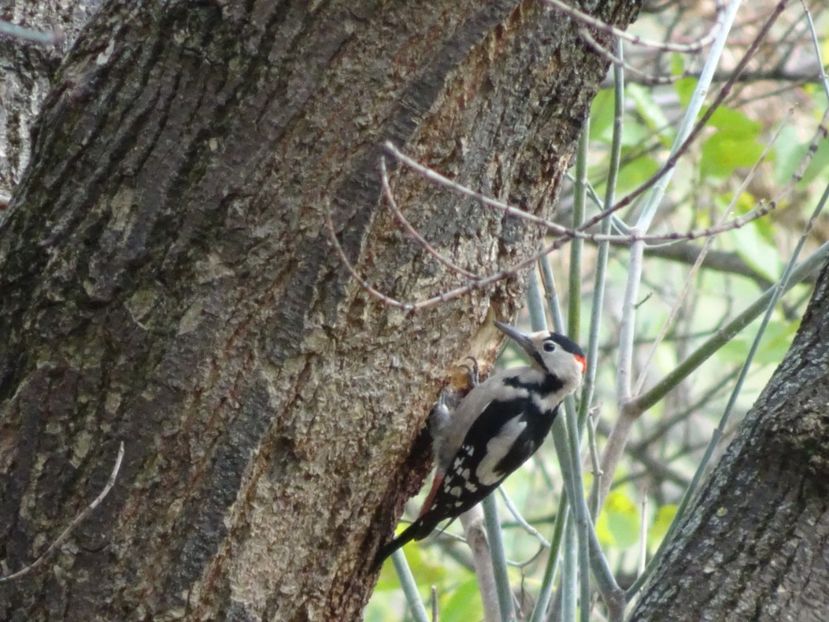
(517, 336)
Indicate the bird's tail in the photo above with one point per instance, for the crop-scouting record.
(417, 530)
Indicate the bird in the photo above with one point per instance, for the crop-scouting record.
(494, 429)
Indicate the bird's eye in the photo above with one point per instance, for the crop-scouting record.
(549, 346)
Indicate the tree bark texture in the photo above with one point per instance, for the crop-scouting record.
(755, 544)
(27, 74)
(167, 281)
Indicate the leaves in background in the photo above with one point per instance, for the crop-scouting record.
(619, 521)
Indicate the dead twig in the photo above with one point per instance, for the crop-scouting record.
(686, 48)
(43, 557)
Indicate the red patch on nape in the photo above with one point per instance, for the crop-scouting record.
(581, 361)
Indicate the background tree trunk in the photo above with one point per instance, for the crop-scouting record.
(755, 544)
(166, 280)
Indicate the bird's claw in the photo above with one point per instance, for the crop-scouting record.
(473, 372)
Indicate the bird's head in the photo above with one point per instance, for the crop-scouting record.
(550, 352)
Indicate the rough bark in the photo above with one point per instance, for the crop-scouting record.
(166, 281)
(28, 69)
(755, 545)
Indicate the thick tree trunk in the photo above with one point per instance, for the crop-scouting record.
(755, 545)
(27, 74)
(167, 282)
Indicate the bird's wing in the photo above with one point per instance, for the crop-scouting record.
(474, 470)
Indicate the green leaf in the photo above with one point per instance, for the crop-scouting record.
(677, 64)
(745, 203)
(636, 172)
(684, 89)
(723, 153)
(463, 604)
(619, 521)
(601, 116)
(773, 347)
(756, 251)
(650, 112)
(635, 135)
(734, 123)
(790, 153)
(664, 517)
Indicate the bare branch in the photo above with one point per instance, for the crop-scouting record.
(644, 78)
(565, 233)
(723, 93)
(43, 557)
(505, 208)
(581, 232)
(28, 34)
(473, 527)
(565, 236)
(414, 232)
(696, 46)
(689, 279)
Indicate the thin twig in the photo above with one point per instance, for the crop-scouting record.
(580, 232)
(624, 368)
(384, 176)
(725, 334)
(473, 527)
(667, 423)
(551, 568)
(689, 279)
(643, 534)
(786, 280)
(701, 123)
(499, 557)
(824, 79)
(570, 465)
(820, 135)
(75, 522)
(409, 585)
(669, 165)
(28, 34)
(441, 180)
(595, 461)
(696, 46)
(644, 78)
(521, 520)
(573, 330)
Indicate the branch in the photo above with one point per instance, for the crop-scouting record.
(696, 46)
(28, 34)
(566, 234)
(644, 78)
(409, 585)
(75, 522)
(720, 261)
(473, 527)
(414, 232)
(498, 557)
(724, 334)
(795, 76)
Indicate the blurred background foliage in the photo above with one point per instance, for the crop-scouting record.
(767, 123)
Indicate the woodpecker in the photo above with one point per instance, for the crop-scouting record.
(495, 428)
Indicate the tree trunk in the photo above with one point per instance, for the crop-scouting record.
(167, 282)
(755, 544)
(27, 74)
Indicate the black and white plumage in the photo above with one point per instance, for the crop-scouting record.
(494, 429)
